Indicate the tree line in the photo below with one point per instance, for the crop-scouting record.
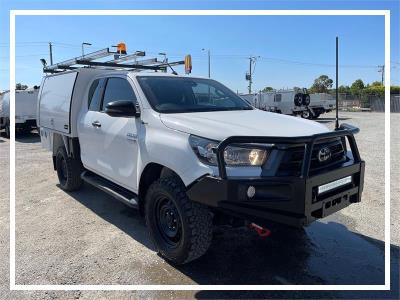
(358, 89)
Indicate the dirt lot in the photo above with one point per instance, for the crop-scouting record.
(86, 237)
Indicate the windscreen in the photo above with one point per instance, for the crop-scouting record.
(181, 95)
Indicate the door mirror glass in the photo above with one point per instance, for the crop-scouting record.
(121, 108)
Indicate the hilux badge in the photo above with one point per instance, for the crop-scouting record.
(324, 154)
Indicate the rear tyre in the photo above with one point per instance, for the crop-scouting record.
(68, 171)
(7, 129)
(316, 116)
(180, 228)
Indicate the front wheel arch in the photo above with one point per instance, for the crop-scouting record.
(151, 173)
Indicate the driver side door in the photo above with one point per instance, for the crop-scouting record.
(114, 140)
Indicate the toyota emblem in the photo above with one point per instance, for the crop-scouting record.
(324, 154)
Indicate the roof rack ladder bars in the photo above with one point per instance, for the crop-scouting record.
(88, 57)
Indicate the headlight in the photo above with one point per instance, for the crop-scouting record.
(246, 155)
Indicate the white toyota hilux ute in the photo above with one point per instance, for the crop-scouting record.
(189, 153)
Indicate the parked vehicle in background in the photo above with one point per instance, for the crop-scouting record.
(287, 102)
(320, 103)
(25, 110)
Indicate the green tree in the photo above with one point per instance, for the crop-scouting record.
(321, 85)
(344, 89)
(376, 83)
(357, 87)
(20, 86)
(268, 89)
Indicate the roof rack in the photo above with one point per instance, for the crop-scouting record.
(119, 62)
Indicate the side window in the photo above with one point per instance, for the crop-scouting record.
(94, 96)
(117, 89)
(278, 98)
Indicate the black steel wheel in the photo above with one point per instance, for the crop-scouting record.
(180, 228)
(168, 221)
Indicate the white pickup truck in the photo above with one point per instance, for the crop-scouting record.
(188, 153)
(25, 110)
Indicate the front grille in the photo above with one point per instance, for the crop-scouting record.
(293, 158)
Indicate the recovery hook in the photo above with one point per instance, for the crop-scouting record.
(261, 231)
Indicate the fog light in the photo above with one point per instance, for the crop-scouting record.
(251, 191)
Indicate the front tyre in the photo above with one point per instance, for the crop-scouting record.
(180, 228)
(306, 114)
(68, 171)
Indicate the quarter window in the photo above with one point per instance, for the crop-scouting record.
(117, 89)
(94, 97)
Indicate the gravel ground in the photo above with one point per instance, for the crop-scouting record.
(86, 237)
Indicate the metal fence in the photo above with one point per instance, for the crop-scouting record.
(370, 102)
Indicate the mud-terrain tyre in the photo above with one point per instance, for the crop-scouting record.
(68, 171)
(180, 228)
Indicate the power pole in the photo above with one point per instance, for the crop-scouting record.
(382, 70)
(209, 61)
(249, 75)
(51, 53)
(209, 64)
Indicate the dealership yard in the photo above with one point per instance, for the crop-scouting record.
(86, 237)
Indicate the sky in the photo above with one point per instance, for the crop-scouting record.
(291, 50)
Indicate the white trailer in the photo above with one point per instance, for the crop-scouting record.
(25, 109)
(320, 103)
(287, 102)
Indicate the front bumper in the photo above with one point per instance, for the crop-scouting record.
(293, 201)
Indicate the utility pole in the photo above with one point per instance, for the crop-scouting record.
(209, 62)
(249, 75)
(382, 70)
(51, 52)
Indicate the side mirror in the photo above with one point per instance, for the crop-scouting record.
(121, 108)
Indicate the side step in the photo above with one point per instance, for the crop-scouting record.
(127, 197)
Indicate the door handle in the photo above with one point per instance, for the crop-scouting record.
(96, 124)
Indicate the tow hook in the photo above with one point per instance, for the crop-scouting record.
(261, 231)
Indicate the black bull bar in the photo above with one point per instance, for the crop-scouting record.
(290, 200)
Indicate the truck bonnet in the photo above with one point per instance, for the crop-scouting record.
(222, 124)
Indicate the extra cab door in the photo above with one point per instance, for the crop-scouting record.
(110, 144)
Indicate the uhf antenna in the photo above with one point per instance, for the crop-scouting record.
(337, 83)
